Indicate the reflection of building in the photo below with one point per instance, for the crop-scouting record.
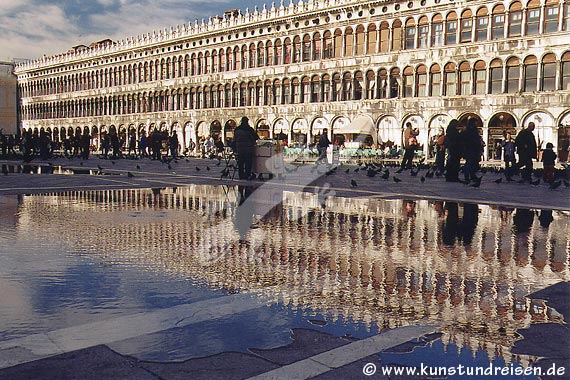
(370, 260)
(357, 68)
(8, 96)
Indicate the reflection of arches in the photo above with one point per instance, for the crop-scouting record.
(299, 129)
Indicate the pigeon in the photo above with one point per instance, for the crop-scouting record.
(99, 167)
(130, 175)
(81, 164)
(138, 167)
(476, 182)
(353, 183)
(4, 170)
(536, 183)
(429, 174)
(347, 171)
(422, 179)
(555, 185)
(566, 183)
(386, 175)
(113, 162)
(197, 169)
(371, 173)
(396, 179)
(207, 168)
(356, 170)
(169, 167)
(414, 173)
(498, 180)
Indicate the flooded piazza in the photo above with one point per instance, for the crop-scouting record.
(347, 266)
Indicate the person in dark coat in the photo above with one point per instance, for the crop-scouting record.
(527, 150)
(454, 151)
(472, 150)
(323, 145)
(508, 154)
(245, 138)
(410, 144)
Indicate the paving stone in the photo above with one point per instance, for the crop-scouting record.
(94, 363)
(306, 343)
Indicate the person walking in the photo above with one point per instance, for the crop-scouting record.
(440, 151)
(454, 151)
(173, 145)
(245, 138)
(410, 144)
(473, 150)
(508, 145)
(322, 145)
(548, 161)
(525, 143)
(143, 145)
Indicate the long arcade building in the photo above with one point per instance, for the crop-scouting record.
(358, 68)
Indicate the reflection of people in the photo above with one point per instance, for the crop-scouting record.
(449, 227)
(244, 212)
(244, 139)
(545, 218)
(523, 219)
(469, 222)
(409, 208)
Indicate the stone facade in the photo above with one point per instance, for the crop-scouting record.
(361, 69)
(8, 96)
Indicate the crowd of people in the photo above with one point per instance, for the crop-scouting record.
(461, 143)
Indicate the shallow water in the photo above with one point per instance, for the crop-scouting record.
(340, 265)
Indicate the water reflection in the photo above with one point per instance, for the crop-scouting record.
(386, 263)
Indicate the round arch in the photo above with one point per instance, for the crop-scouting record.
(499, 125)
(564, 136)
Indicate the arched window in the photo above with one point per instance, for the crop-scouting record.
(498, 25)
(315, 89)
(268, 93)
(372, 39)
(370, 85)
(199, 63)
(260, 54)
(305, 90)
(296, 49)
(566, 71)
(306, 48)
(278, 52)
(383, 82)
(317, 47)
(435, 80)
(347, 87)
(358, 85)
(532, 17)
(482, 22)
(464, 79)
(286, 91)
(360, 40)
(450, 79)
(466, 25)
(451, 29)
(551, 12)
(397, 35)
(236, 59)
(549, 72)
(421, 81)
(394, 82)
(259, 93)
(252, 55)
(326, 84)
(295, 91)
(513, 74)
(336, 87)
(515, 19)
(480, 78)
(410, 32)
(337, 43)
(408, 79)
(243, 94)
(384, 37)
(327, 45)
(270, 54)
(348, 42)
(423, 32)
(496, 76)
(207, 61)
(277, 92)
(437, 36)
(530, 73)
(287, 51)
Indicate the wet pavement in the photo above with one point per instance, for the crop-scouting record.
(159, 274)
